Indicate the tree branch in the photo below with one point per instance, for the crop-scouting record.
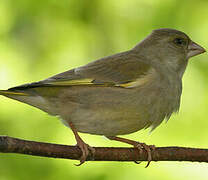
(14, 145)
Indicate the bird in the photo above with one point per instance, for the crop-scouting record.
(118, 94)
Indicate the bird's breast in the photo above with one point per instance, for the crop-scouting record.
(165, 99)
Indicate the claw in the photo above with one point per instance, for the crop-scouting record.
(148, 149)
(85, 152)
(139, 146)
(137, 162)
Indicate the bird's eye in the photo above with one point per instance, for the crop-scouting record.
(179, 41)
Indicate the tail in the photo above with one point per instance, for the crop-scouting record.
(12, 93)
(28, 98)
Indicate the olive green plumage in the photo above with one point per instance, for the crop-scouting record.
(118, 94)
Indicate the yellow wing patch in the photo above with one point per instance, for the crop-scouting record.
(139, 81)
(5, 92)
(73, 82)
(80, 82)
(135, 83)
(90, 81)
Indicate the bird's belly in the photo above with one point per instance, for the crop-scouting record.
(108, 123)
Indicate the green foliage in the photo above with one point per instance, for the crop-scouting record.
(42, 38)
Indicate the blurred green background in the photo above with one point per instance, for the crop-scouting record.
(42, 38)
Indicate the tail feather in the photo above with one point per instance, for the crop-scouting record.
(25, 97)
(8, 92)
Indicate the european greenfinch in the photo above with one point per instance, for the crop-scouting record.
(118, 94)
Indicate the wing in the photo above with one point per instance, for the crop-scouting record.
(118, 70)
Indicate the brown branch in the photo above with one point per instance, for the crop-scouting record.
(14, 145)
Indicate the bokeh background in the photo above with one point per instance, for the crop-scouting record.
(42, 38)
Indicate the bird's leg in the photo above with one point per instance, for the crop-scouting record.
(136, 144)
(82, 145)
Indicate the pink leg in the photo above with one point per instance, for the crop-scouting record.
(82, 145)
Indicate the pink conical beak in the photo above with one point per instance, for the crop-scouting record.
(194, 49)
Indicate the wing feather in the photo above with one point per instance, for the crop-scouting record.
(121, 70)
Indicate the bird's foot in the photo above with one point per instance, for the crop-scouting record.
(140, 146)
(86, 149)
(147, 148)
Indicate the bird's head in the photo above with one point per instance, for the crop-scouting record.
(170, 48)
